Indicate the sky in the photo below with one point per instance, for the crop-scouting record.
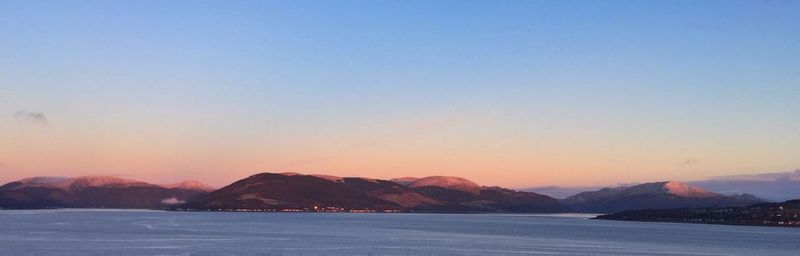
(510, 93)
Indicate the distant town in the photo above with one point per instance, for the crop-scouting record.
(327, 209)
(786, 214)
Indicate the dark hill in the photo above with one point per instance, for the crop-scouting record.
(91, 192)
(271, 191)
(657, 195)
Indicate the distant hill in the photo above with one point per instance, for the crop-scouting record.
(190, 185)
(779, 186)
(294, 191)
(95, 192)
(657, 195)
(274, 191)
(776, 186)
(769, 214)
(559, 192)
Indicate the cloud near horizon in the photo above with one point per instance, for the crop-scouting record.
(172, 201)
(31, 117)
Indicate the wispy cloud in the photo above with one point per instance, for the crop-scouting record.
(691, 161)
(31, 117)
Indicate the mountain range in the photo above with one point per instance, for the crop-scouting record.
(657, 195)
(96, 192)
(297, 192)
(776, 186)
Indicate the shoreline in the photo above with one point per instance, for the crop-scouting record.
(576, 214)
(700, 223)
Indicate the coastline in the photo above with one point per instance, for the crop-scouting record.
(698, 223)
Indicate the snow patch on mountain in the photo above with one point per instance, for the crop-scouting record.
(190, 185)
(670, 187)
(449, 182)
(99, 181)
(686, 190)
(83, 182)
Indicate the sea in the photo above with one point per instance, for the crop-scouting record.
(144, 232)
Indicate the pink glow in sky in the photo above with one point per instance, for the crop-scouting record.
(513, 93)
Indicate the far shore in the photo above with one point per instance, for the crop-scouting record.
(562, 214)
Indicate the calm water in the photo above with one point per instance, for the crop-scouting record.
(120, 232)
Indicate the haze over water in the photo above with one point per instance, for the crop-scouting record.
(141, 232)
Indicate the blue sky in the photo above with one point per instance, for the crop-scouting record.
(402, 88)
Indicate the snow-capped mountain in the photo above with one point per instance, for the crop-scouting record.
(95, 192)
(656, 195)
(778, 186)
